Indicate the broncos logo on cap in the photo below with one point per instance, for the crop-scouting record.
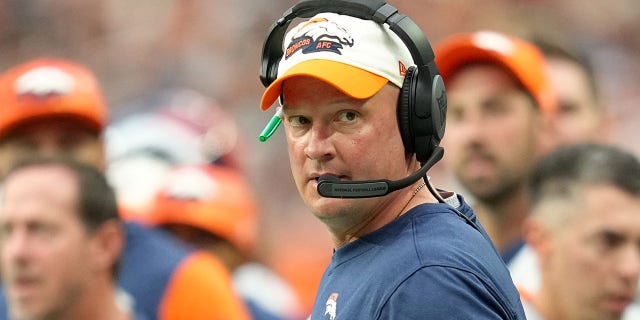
(190, 184)
(44, 81)
(319, 34)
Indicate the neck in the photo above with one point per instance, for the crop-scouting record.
(544, 301)
(503, 218)
(373, 218)
(98, 302)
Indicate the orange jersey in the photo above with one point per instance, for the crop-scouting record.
(170, 282)
(201, 288)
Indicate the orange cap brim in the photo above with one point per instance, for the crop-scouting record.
(463, 55)
(352, 81)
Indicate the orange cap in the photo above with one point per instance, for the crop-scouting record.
(212, 198)
(47, 87)
(520, 58)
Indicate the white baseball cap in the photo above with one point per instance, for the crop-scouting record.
(356, 56)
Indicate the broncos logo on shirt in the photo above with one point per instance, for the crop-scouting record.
(332, 305)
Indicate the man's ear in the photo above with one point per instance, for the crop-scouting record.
(538, 236)
(107, 245)
(102, 158)
(608, 124)
(548, 131)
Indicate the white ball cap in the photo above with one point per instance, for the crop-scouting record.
(354, 55)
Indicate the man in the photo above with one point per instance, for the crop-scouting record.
(213, 208)
(585, 230)
(498, 126)
(182, 126)
(581, 115)
(61, 239)
(55, 107)
(400, 254)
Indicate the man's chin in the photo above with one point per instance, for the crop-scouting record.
(328, 209)
(325, 207)
(479, 186)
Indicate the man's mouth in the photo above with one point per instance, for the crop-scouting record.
(331, 176)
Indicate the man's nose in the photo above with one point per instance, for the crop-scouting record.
(319, 143)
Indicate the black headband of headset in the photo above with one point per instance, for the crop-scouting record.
(378, 11)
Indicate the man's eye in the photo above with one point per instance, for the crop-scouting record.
(568, 108)
(298, 120)
(348, 116)
(611, 239)
(5, 230)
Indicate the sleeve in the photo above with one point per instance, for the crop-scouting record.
(201, 289)
(444, 293)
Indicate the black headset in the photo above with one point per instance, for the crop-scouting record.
(422, 104)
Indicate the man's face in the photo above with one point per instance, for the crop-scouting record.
(45, 250)
(493, 127)
(330, 133)
(593, 262)
(580, 117)
(62, 137)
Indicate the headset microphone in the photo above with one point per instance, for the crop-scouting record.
(330, 187)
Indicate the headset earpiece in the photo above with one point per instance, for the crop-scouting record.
(438, 107)
(405, 112)
(422, 107)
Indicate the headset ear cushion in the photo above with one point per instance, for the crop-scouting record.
(405, 110)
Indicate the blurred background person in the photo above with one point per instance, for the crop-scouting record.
(176, 126)
(60, 242)
(182, 127)
(585, 230)
(213, 208)
(55, 107)
(581, 114)
(498, 125)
